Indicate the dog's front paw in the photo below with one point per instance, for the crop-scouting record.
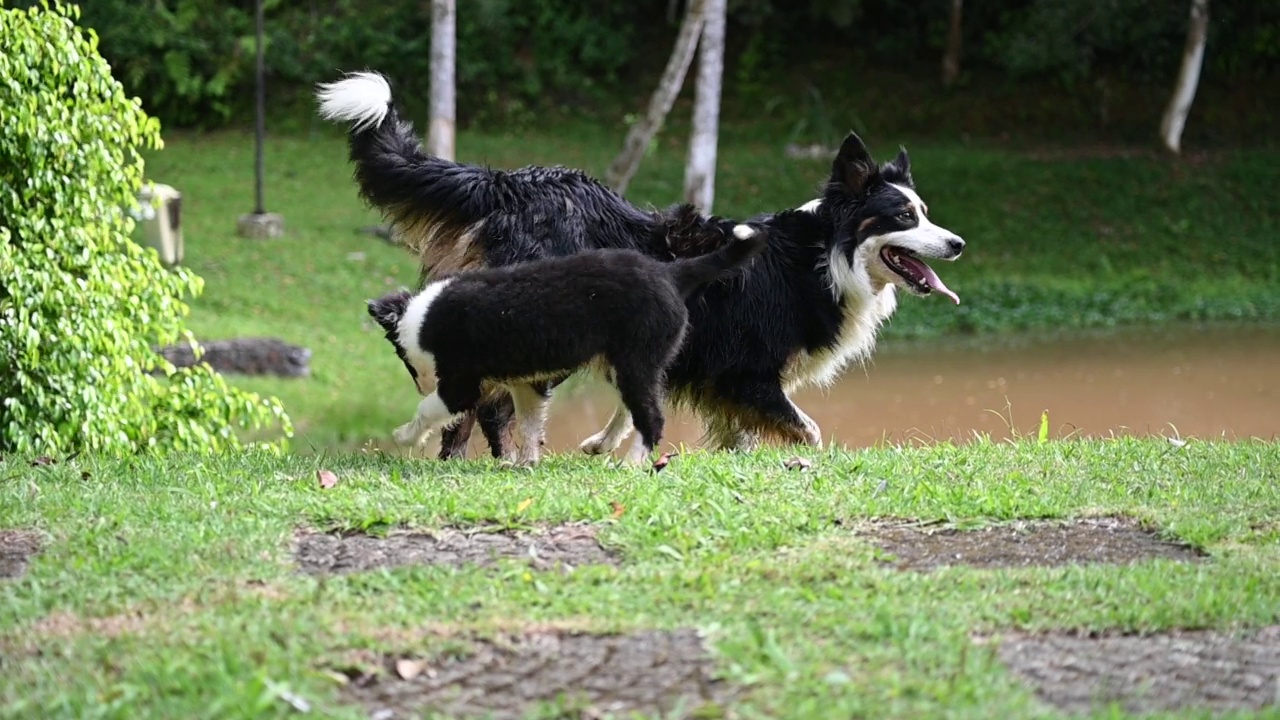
(637, 456)
(406, 434)
(595, 445)
(527, 458)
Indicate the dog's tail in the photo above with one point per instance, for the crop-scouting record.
(433, 203)
(692, 273)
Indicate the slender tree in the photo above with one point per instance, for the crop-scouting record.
(440, 132)
(700, 170)
(624, 166)
(1184, 90)
(955, 43)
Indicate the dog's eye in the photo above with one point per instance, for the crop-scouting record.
(905, 216)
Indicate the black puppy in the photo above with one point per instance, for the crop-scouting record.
(620, 313)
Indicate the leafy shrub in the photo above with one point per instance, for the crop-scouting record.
(80, 303)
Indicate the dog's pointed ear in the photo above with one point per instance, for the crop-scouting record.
(899, 171)
(853, 169)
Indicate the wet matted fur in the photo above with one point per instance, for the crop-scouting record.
(806, 308)
(619, 312)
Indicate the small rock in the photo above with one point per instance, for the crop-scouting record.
(244, 356)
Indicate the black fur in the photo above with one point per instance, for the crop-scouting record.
(525, 323)
(745, 333)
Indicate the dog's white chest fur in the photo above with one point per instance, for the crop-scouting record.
(863, 311)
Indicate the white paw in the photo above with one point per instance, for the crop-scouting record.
(406, 434)
(637, 456)
(812, 433)
(524, 460)
(595, 445)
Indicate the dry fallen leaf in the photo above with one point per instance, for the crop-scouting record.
(618, 509)
(663, 460)
(524, 505)
(797, 463)
(409, 669)
(327, 479)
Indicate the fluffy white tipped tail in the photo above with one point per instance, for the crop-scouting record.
(362, 99)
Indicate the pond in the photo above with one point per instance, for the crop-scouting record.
(1188, 381)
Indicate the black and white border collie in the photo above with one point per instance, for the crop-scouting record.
(806, 308)
(619, 312)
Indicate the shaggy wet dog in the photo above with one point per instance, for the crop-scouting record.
(523, 326)
(804, 310)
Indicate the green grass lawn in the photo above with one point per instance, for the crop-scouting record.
(1056, 240)
(166, 586)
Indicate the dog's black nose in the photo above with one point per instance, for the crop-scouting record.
(956, 245)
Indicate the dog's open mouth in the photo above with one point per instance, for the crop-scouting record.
(918, 275)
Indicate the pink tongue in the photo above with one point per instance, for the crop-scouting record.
(930, 277)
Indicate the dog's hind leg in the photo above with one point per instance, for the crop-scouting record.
(642, 395)
(455, 436)
(610, 436)
(494, 417)
(531, 403)
(494, 414)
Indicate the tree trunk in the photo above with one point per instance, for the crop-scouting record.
(700, 171)
(624, 166)
(955, 42)
(1184, 91)
(440, 132)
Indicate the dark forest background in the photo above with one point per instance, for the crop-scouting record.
(1055, 70)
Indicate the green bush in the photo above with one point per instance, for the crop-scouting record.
(81, 304)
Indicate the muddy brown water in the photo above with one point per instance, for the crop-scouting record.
(1220, 381)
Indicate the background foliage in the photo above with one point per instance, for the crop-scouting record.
(80, 304)
(191, 61)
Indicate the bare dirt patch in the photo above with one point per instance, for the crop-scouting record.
(16, 549)
(1153, 673)
(583, 675)
(558, 546)
(1110, 540)
(143, 617)
(60, 625)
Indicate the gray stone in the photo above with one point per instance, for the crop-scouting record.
(245, 356)
(260, 225)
